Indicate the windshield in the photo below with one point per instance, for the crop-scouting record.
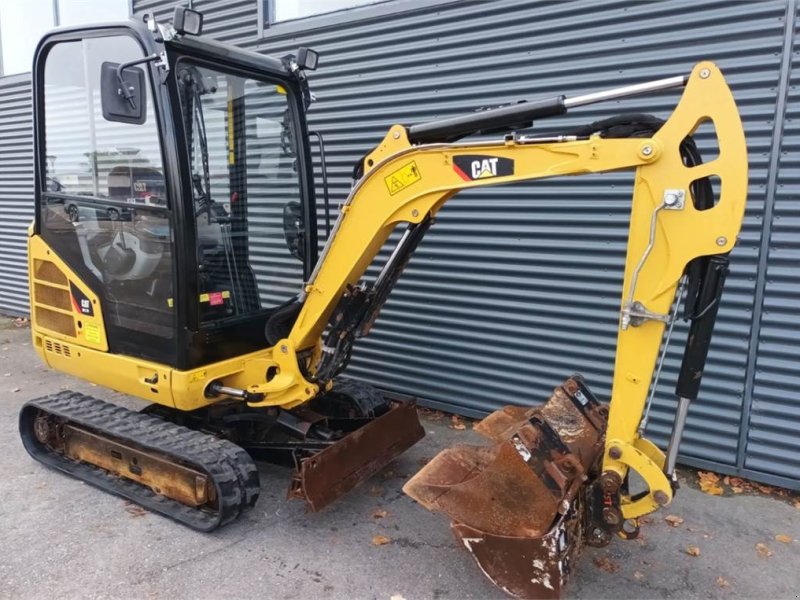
(244, 174)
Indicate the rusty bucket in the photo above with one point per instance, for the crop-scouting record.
(517, 505)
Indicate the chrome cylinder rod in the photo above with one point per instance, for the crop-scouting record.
(677, 433)
(628, 90)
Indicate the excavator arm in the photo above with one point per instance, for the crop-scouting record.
(407, 184)
(680, 234)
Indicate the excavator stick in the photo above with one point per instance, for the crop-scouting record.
(517, 506)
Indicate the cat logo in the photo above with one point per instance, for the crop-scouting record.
(476, 166)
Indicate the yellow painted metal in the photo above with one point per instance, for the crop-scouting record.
(635, 456)
(406, 184)
(54, 310)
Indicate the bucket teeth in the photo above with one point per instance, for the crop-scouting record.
(517, 504)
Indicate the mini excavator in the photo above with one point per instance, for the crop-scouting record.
(174, 200)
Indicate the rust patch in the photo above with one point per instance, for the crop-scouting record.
(517, 505)
(329, 474)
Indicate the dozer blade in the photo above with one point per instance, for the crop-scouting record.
(517, 506)
(322, 478)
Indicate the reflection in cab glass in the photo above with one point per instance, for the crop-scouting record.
(104, 205)
(244, 176)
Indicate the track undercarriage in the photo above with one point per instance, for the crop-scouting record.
(198, 467)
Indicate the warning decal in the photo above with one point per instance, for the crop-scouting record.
(92, 333)
(402, 178)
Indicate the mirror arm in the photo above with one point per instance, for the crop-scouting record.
(126, 93)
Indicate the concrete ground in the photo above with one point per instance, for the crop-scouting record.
(61, 538)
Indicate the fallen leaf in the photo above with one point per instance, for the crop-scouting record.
(606, 564)
(135, 510)
(692, 550)
(673, 520)
(722, 582)
(638, 575)
(765, 489)
(376, 490)
(783, 538)
(797, 504)
(710, 488)
(708, 476)
(726, 480)
(457, 423)
(15, 390)
(380, 540)
(380, 514)
(736, 489)
(763, 550)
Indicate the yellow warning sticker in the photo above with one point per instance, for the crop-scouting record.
(92, 333)
(402, 178)
(197, 376)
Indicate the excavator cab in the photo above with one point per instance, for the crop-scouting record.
(173, 164)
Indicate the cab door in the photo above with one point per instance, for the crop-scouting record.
(102, 197)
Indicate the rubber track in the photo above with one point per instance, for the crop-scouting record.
(230, 468)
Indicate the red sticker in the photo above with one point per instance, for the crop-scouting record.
(215, 299)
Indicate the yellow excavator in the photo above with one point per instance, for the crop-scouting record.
(174, 257)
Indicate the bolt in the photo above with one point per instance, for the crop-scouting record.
(611, 517)
(704, 74)
(396, 135)
(661, 497)
(722, 240)
(615, 452)
(284, 348)
(415, 213)
(647, 150)
(670, 199)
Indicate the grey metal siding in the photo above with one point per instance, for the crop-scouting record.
(773, 444)
(16, 191)
(517, 286)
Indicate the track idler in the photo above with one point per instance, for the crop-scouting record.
(517, 506)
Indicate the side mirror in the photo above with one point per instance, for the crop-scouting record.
(122, 93)
(294, 229)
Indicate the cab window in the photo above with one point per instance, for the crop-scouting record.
(245, 190)
(103, 205)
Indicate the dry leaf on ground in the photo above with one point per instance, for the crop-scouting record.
(673, 520)
(457, 423)
(638, 575)
(797, 504)
(606, 564)
(135, 510)
(380, 540)
(692, 550)
(722, 582)
(783, 538)
(709, 483)
(380, 514)
(763, 550)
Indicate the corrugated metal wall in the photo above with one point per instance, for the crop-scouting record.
(16, 191)
(771, 432)
(517, 286)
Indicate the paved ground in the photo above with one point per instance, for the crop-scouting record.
(61, 538)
